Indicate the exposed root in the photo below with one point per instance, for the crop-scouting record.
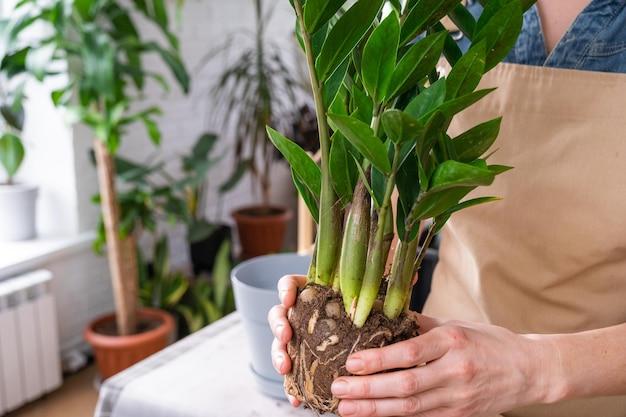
(334, 337)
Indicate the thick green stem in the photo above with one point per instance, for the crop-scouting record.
(311, 274)
(354, 248)
(401, 278)
(330, 225)
(377, 256)
(429, 239)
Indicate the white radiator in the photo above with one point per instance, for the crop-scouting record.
(30, 365)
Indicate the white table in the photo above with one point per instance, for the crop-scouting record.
(204, 375)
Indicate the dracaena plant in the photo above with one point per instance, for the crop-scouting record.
(383, 111)
(97, 45)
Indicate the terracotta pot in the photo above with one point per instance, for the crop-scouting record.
(261, 229)
(116, 353)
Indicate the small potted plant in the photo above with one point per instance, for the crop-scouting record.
(17, 201)
(383, 114)
(102, 51)
(256, 90)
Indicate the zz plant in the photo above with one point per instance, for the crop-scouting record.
(383, 113)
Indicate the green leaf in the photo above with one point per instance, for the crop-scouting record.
(416, 64)
(463, 20)
(441, 220)
(302, 164)
(379, 57)
(204, 145)
(423, 14)
(153, 130)
(343, 173)
(473, 143)
(308, 197)
(364, 140)
(174, 63)
(333, 85)
(345, 35)
(400, 127)
(428, 99)
(433, 204)
(467, 73)
(98, 59)
(363, 106)
(235, 177)
(318, 12)
(457, 105)
(161, 259)
(500, 33)
(499, 169)
(11, 153)
(451, 174)
(221, 275)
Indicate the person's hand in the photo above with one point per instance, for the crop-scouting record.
(454, 369)
(287, 292)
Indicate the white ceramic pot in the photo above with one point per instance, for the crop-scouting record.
(17, 212)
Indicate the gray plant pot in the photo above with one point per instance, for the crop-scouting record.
(254, 283)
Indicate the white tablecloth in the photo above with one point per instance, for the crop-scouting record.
(204, 375)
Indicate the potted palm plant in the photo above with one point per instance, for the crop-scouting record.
(383, 112)
(256, 90)
(17, 201)
(101, 50)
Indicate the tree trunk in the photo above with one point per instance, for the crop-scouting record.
(121, 251)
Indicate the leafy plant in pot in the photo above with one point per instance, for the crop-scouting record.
(383, 112)
(17, 201)
(255, 91)
(101, 49)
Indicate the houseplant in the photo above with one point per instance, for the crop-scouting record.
(17, 201)
(383, 112)
(97, 45)
(256, 90)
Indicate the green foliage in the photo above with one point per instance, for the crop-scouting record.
(389, 119)
(11, 154)
(199, 301)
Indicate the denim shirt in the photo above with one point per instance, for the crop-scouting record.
(596, 41)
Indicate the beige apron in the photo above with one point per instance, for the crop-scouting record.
(550, 257)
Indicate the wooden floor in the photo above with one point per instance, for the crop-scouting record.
(76, 398)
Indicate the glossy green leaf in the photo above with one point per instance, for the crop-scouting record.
(473, 143)
(302, 164)
(345, 35)
(441, 220)
(467, 73)
(463, 20)
(433, 204)
(416, 64)
(422, 14)
(379, 57)
(11, 153)
(235, 177)
(318, 12)
(427, 100)
(364, 140)
(363, 106)
(451, 174)
(343, 172)
(308, 197)
(400, 127)
(333, 84)
(457, 105)
(173, 62)
(500, 33)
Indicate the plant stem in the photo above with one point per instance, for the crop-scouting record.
(377, 256)
(429, 239)
(330, 225)
(354, 248)
(401, 278)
